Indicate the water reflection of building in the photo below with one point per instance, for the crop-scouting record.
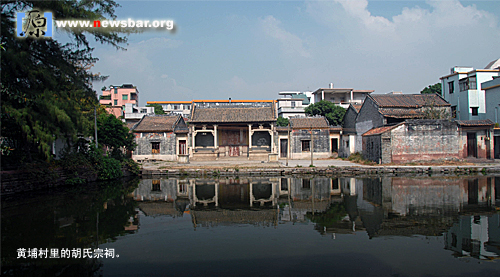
(234, 201)
(234, 193)
(299, 196)
(475, 236)
(406, 206)
(211, 201)
(162, 197)
(455, 207)
(389, 206)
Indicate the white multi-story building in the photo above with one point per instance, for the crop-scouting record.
(292, 103)
(462, 89)
(182, 108)
(133, 113)
(340, 96)
(492, 95)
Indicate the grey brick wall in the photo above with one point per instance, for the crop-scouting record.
(422, 139)
(414, 140)
(321, 140)
(144, 146)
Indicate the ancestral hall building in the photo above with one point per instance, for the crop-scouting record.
(232, 129)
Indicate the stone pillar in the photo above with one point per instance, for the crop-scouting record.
(195, 199)
(216, 194)
(272, 138)
(193, 135)
(322, 95)
(251, 194)
(216, 139)
(249, 137)
(352, 96)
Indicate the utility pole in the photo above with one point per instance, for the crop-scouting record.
(312, 147)
(288, 144)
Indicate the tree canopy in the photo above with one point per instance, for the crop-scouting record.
(435, 88)
(46, 89)
(158, 109)
(333, 113)
(113, 133)
(282, 121)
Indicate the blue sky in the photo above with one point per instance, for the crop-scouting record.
(254, 49)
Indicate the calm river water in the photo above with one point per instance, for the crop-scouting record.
(256, 226)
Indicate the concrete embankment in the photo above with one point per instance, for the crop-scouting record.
(322, 168)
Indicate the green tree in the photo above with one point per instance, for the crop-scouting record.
(333, 113)
(46, 90)
(113, 133)
(435, 88)
(282, 121)
(158, 109)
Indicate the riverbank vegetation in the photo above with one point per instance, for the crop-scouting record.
(47, 96)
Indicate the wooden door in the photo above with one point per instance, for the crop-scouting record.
(283, 148)
(471, 144)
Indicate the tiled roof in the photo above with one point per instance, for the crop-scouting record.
(486, 122)
(408, 100)
(379, 130)
(130, 125)
(233, 114)
(157, 123)
(357, 107)
(309, 122)
(400, 113)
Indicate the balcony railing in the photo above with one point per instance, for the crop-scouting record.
(105, 97)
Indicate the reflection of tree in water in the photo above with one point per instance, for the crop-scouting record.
(78, 218)
(335, 213)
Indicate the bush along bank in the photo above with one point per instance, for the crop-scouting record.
(72, 169)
